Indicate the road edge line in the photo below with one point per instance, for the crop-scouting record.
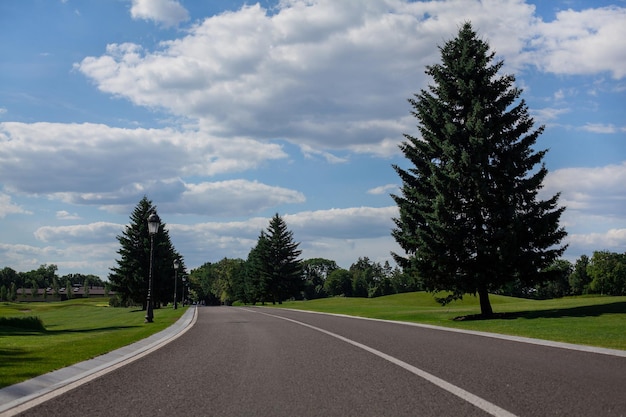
(512, 338)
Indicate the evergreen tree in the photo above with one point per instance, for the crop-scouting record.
(469, 217)
(276, 269)
(257, 272)
(285, 268)
(130, 278)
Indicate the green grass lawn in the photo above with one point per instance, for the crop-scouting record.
(75, 331)
(594, 321)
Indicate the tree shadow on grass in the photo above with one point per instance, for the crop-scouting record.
(583, 311)
(14, 331)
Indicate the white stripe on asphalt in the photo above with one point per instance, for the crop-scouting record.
(475, 400)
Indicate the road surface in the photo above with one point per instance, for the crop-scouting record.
(238, 361)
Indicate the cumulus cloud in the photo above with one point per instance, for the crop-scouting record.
(594, 199)
(8, 207)
(49, 157)
(345, 223)
(581, 42)
(600, 189)
(234, 198)
(166, 12)
(327, 74)
(85, 233)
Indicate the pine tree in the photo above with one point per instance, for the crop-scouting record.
(256, 272)
(276, 269)
(470, 219)
(130, 278)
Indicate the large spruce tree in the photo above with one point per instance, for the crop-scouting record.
(470, 218)
(277, 270)
(130, 278)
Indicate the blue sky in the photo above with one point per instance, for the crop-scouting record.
(226, 112)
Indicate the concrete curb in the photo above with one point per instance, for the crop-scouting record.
(19, 397)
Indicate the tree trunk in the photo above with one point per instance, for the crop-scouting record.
(485, 304)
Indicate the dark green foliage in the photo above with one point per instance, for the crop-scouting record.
(607, 271)
(220, 283)
(558, 285)
(339, 283)
(257, 277)
(579, 279)
(315, 272)
(470, 220)
(130, 278)
(275, 272)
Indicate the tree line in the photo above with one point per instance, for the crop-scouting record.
(14, 284)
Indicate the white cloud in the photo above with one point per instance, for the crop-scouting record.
(327, 74)
(167, 12)
(66, 215)
(384, 189)
(548, 114)
(600, 128)
(8, 207)
(47, 158)
(598, 191)
(309, 152)
(233, 198)
(345, 223)
(594, 199)
(97, 232)
(581, 42)
(611, 239)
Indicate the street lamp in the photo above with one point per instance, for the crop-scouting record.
(153, 227)
(184, 283)
(176, 265)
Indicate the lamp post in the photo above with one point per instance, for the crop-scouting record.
(153, 227)
(176, 265)
(184, 283)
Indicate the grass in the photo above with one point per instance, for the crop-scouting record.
(593, 321)
(74, 331)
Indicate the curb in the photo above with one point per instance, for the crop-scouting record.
(17, 398)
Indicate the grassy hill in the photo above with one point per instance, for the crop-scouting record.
(594, 321)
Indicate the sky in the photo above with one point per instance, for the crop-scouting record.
(224, 113)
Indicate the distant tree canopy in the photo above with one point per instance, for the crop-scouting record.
(470, 220)
(129, 279)
(43, 277)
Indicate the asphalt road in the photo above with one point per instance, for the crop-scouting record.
(269, 362)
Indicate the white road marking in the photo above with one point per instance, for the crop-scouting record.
(475, 400)
(518, 339)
